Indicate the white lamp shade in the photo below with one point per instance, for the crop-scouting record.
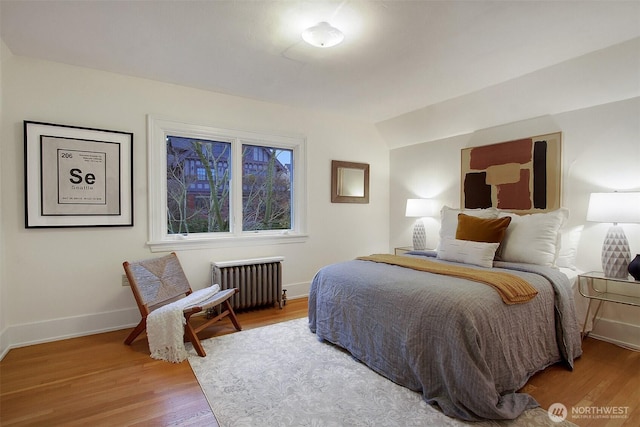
(323, 35)
(614, 207)
(419, 208)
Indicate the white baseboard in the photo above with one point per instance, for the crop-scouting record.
(297, 290)
(67, 327)
(4, 343)
(623, 334)
(25, 334)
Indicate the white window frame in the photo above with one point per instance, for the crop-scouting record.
(160, 241)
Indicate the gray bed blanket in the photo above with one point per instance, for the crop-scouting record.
(452, 339)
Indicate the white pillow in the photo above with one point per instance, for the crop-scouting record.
(569, 240)
(449, 219)
(468, 252)
(533, 238)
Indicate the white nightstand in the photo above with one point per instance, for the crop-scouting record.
(402, 250)
(595, 286)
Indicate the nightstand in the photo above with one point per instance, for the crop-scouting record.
(595, 286)
(402, 250)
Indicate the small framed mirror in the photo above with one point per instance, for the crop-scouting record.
(349, 182)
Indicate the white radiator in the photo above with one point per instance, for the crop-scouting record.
(259, 281)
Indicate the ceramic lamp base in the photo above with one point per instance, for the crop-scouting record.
(616, 254)
(419, 236)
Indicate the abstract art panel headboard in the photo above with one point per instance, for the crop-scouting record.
(521, 176)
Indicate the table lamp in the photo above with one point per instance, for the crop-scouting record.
(420, 208)
(617, 207)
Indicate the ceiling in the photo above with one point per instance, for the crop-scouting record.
(397, 57)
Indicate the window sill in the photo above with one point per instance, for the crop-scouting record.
(181, 243)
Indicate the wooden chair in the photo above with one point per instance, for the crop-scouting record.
(159, 281)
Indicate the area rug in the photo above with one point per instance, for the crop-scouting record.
(281, 375)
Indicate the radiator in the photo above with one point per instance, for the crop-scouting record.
(259, 281)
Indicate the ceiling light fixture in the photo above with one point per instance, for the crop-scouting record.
(323, 35)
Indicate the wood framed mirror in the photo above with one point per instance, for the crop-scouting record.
(349, 182)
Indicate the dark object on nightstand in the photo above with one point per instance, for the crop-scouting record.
(634, 267)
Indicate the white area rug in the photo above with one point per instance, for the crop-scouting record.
(281, 375)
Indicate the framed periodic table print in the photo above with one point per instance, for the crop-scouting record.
(77, 177)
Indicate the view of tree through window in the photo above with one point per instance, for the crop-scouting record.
(266, 188)
(198, 173)
(198, 186)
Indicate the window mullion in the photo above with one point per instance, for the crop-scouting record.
(236, 187)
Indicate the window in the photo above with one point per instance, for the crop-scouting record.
(266, 188)
(197, 189)
(215, 187)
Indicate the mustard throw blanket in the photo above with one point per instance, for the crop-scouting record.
(512, 289)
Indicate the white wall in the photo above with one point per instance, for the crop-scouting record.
(596, 78)
(601, 152)
(3, 311)
(66, 282)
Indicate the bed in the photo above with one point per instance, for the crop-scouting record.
(453, 339)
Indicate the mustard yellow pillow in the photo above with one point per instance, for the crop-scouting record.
(481, 229)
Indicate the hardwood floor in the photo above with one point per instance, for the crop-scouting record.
(97, 380)
(604, 377)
